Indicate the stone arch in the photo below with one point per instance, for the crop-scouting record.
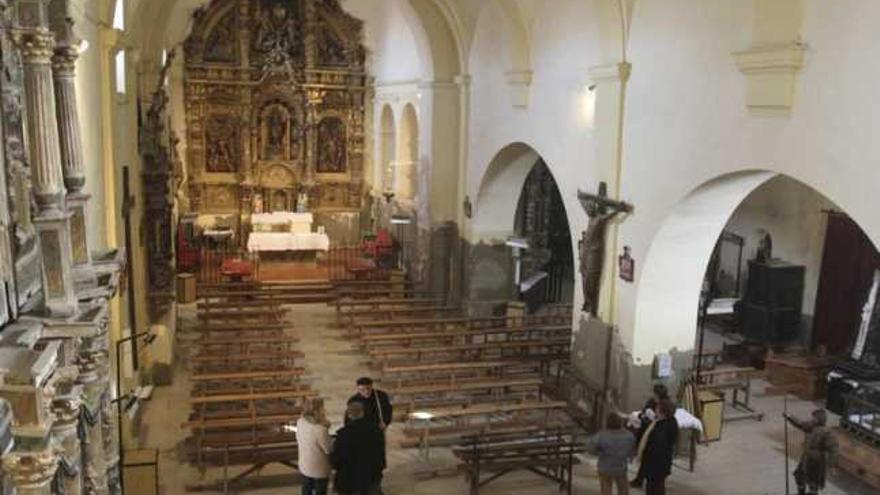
(493, 210)
(387, 147)
(406, 176)
(669, 286)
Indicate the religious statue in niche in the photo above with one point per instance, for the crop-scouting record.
(221, 43)
(275, 132)
(331, 146)
(302, 201)
(601, 210)
(221, 144)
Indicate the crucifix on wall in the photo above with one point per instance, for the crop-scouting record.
(601, 209)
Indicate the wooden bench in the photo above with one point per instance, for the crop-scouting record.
(450, 337)
(381, 292)
(553, 348)
(347, 305)
(549, 453)
(352, 318)
(263, 361)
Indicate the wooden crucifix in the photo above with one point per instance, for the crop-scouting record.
(601, 209)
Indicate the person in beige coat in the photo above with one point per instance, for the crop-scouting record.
(313, 442)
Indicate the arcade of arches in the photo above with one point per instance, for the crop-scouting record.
(516, 215)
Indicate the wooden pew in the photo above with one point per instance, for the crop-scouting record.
(352, 318)
(554, 348)
(549, 453)
(447, 425)
(458, 336)
(347, 305)
(264, 361)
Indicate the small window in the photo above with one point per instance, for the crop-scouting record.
(119, 15)
(120, 72)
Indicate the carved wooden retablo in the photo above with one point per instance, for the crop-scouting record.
(275, 101)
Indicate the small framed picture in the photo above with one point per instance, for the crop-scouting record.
(626, 265)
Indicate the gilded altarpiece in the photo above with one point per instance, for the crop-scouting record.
(275, 101)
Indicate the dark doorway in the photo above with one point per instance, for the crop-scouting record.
(541, 220)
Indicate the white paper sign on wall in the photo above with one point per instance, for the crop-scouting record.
(662, 366)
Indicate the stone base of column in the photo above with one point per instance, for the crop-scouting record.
(83, 272)
(53, 232)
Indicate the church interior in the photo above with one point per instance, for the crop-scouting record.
(518, 217)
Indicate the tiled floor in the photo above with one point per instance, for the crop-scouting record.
(748, 461)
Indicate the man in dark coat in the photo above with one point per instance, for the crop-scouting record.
(377, 410)
(657, 448)
(358, 454)
(371, 399)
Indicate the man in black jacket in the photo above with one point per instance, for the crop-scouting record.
(657, 448)
(372, 399)
(377, 411)
(358, 454)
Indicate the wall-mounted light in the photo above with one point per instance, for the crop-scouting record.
(82, 47)
(587, 105)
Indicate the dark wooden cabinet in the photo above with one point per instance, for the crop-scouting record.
(771, 310)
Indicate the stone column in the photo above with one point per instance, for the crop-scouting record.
(53, 221)
(69, 135)
(66, 407)
(92, 377)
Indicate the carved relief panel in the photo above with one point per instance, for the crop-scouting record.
(332, 145)
(222, 143)
(284, 109)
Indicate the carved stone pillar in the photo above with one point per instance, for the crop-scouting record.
(66, 407)
(110, 435)
(92, 366)
(37, 44)
(70, 138)
(53, 221)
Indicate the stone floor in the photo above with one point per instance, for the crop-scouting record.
(748, 461)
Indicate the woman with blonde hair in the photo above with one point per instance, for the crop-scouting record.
(313, 443)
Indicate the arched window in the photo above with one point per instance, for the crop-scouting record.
(120, 72)
(119, 15)
(405, 177)
(387, 149)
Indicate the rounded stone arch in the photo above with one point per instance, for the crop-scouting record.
(494, 207)
(669, 285)
(510, 203)
(387, 148)
(406, 178)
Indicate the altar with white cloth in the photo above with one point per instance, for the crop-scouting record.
(285, 231)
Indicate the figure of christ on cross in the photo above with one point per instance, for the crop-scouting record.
(601, 210)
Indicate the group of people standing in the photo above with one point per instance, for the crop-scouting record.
(358, 453)
(652, 443)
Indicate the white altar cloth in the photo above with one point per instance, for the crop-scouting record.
(283, 241)
(300, 223)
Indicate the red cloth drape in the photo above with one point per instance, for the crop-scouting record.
(849, 259)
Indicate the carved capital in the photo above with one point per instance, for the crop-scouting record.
(30, 470)
(37, 45)
(64, 60)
